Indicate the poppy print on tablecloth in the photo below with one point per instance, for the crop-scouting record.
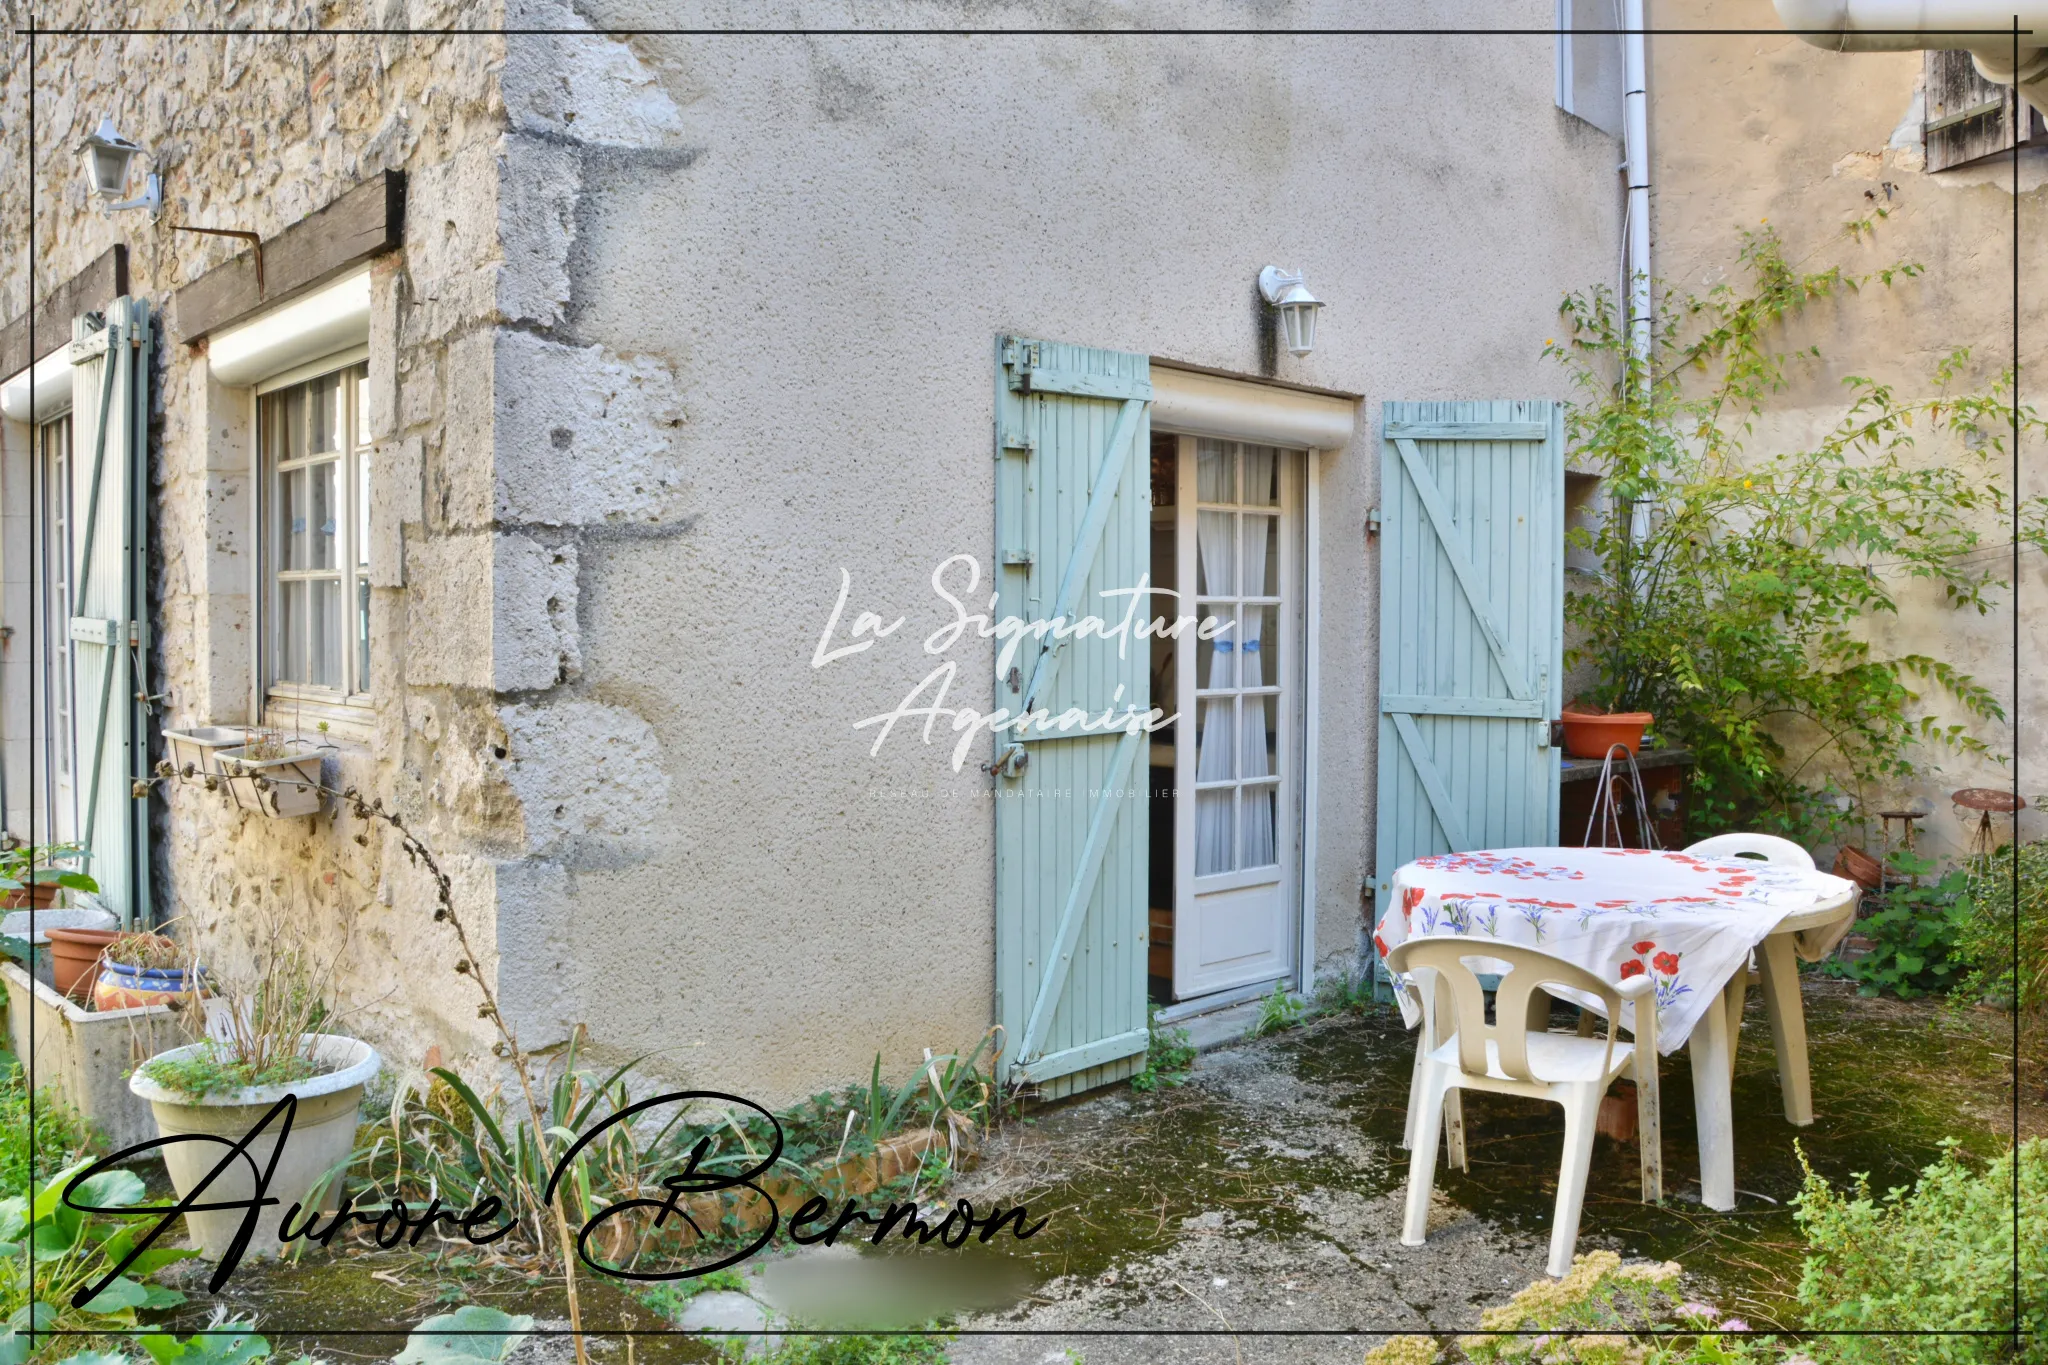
(1665, 965)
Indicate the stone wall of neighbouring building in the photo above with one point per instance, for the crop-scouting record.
(1749, 129)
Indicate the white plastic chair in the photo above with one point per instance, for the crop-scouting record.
(1778, 970)
(1768, 847)
(1510, 1057)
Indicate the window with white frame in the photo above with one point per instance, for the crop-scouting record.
(314, 443)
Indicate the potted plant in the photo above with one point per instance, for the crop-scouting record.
(145, 969)
(272, 774)
(267, 1039)
(1592, 733)
(32, 876)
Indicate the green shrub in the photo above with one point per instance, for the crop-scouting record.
(1730, 581)
(1937, 1257)
(1986, 942)
(1917, 934)
(61, 1134)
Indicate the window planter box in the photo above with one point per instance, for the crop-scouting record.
(284, 786)
(201, 746)
(86, 1055)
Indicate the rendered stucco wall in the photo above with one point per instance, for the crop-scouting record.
(809, 263)
(684, 325)
(1749, 128)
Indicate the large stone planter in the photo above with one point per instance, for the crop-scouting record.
(84, 1055)
(323, 1133)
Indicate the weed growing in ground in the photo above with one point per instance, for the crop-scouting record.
(856, 1350)
(1280, 1010)
(61, 1134)
(670, 1297)
(1168, 1055)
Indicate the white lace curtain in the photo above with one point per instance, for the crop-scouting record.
(1232, 746)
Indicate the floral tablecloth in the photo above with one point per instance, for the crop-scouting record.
(1687, 922)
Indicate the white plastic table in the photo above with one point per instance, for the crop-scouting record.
(1690, 923)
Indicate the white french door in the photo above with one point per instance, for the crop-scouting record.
(1237, 742)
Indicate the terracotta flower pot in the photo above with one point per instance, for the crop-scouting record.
(1859, 867)
(1592, 735)
(41, 896)
(75, 959)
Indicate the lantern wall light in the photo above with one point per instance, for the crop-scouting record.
(1285, 292)
(107, 157)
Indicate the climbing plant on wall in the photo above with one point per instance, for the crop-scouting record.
(1736, 580)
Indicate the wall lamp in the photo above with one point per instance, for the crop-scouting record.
(1284, 291)
(107, 156)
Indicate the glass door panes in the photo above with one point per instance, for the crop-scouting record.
(51, 789)
(1237, 678)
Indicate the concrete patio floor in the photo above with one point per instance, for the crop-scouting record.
(1265, 1194)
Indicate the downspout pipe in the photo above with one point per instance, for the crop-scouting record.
(1922, 25)
(1635, 141)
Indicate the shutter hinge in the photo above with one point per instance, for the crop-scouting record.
(1018, 358)
(1372, 522)
(1019, 558)
(1018, 442)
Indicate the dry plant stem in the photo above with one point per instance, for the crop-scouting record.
(418, 852)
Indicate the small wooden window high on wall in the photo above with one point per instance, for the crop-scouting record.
(1970, 119)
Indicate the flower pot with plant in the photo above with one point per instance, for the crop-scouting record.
(272, 774)
(266, 1041)
(33, 876)
(75, 959)
(139, 969)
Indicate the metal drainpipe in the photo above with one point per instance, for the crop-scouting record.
(1919, 25)
(1635, 125)
(1635, 136)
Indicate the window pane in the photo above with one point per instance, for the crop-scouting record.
(1213, 834)
(1215, 471)
(1260, 734)
(292, 512)
(288, 432)
(361, 387)
(363, 508)
(1216, 660)
(1216, 551)
(1258, 645)
(323, 407)
(324, 512)
(362, 635)
(1216, 742)
(1261, 476)
(1255, 841)
(291, 632)
(1261, 555)
(324, 632)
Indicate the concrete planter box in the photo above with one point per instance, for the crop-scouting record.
(201, 746)
(278, 787)
(86, 1056)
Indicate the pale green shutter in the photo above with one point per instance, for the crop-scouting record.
(1073, 519)
(110, 422)
(1471, 628)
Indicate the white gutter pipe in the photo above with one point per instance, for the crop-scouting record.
(1855, 26)
(1635, 141)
